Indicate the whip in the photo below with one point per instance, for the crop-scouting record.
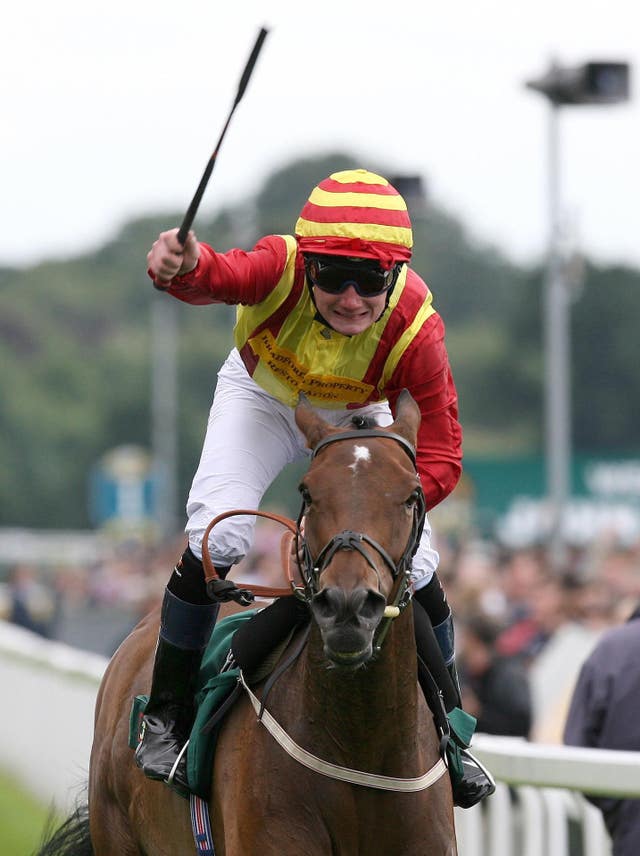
(197, 198)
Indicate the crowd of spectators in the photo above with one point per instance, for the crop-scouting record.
(523, 629)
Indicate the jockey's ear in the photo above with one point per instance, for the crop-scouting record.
(408, 417)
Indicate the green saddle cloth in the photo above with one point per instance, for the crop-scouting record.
(213, 689)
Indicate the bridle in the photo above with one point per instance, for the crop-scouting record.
(311, 569)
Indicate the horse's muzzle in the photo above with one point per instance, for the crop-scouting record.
(347, 622)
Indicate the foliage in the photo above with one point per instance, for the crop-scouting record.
(75, 348)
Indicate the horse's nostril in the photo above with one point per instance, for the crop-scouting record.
(370, 605)
(335, 606)
(329, 605)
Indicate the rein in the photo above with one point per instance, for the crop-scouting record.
(210, 572)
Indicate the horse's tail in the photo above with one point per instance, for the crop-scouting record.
(72, 838)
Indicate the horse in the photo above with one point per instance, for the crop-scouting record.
(368, 777)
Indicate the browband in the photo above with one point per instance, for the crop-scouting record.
(359, 433)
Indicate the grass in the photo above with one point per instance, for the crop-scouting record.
(22, 819)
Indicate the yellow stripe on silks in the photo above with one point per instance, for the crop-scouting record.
(351, 176)
(347, 356)
(384, 234)
(280, 373)
(332, 199)
(248, 318)
(425, 311)
(339, 362)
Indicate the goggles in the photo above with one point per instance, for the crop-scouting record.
(335, 275)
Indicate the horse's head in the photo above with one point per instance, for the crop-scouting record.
(363, 513)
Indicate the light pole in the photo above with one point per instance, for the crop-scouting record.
(595, 83)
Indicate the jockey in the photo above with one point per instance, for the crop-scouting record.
(335, 312)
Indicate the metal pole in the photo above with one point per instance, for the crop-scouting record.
(557, 362)
(164, 387)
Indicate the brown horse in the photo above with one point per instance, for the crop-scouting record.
(351, 697)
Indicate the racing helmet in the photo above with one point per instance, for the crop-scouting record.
(357, 214)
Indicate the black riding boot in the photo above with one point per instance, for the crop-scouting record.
(470, 781)
(185, 629)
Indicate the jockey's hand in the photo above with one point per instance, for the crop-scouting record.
(222, 591)
(168, 258)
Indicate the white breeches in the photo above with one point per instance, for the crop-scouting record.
(251, 437)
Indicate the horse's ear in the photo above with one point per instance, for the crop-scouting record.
(312, 426)
(407, 417)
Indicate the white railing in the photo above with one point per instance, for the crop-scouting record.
(538, 799)
(48, 693)
(46, 728)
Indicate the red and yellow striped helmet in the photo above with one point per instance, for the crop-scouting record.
(359, 214)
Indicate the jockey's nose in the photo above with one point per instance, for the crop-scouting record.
(350, 298)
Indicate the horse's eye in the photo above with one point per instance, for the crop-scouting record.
(304, 493)
(411, 500)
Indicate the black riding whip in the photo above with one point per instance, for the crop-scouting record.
(244, 80)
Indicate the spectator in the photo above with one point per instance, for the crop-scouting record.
(561, 643)
(604, 714)
(32, 605)
(540, 616)
(495, 689)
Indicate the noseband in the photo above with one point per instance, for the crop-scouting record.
(311, 569)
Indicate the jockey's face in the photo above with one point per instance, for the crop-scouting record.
(348, 313)
(350, 293)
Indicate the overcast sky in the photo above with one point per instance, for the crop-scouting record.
(111, 110)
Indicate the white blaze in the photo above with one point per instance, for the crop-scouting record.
(360, 453)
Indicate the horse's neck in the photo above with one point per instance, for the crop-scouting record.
(375, 706)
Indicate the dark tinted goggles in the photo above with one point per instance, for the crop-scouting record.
(336, 275)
